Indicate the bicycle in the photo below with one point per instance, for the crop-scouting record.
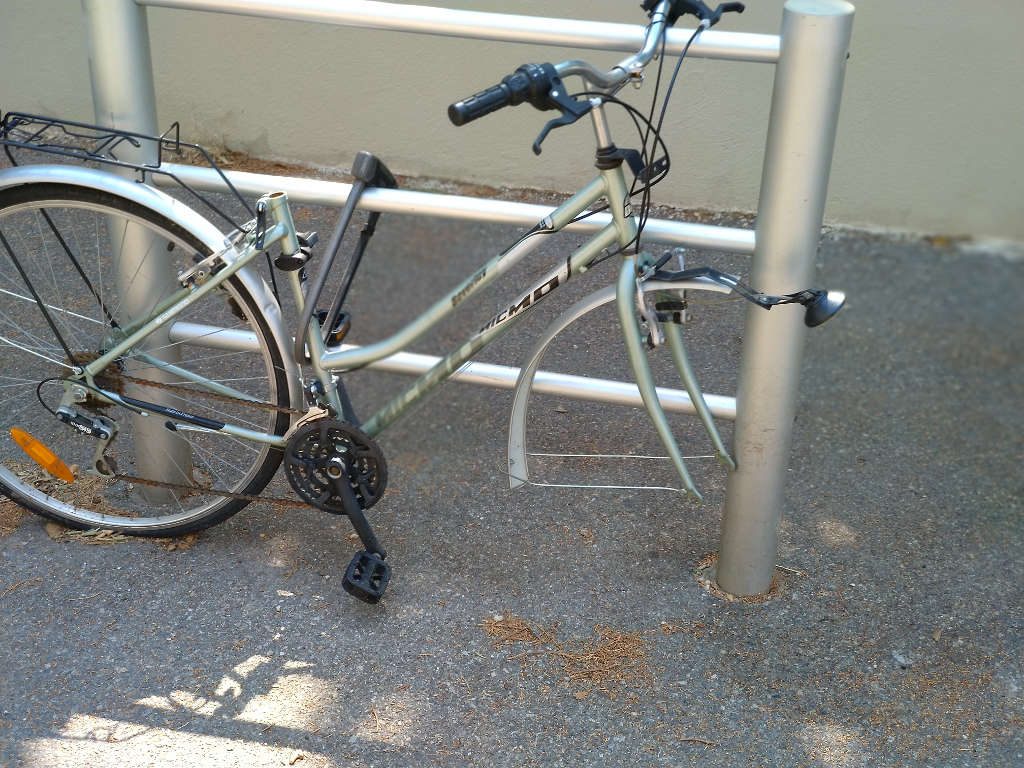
(162, 413)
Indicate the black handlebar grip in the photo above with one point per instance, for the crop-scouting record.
(480, 104)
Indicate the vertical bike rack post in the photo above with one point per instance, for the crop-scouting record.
(798, 157)
(121, 71)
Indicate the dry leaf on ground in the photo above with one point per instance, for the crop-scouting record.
(612, 661)
(97, 536)
(179, 544)
(506, 630)
(704, 577)
(20, 584)
(11, 516)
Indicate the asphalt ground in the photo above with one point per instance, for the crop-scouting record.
(556, 627)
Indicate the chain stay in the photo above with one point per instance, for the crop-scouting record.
(213, 396)
(200, 489)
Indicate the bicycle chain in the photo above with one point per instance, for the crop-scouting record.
(194, 488)
(213, 395)
(198, 488)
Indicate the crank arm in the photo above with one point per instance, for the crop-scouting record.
(357, 517)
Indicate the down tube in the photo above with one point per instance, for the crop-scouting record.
(448, 365)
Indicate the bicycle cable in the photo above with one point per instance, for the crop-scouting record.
(651, 140)
(637, 118)
(646, 200)
(39, 395)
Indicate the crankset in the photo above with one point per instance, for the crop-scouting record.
(336, 467)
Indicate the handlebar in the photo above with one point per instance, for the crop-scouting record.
(541, 84)
(479, 104)
(667, 12)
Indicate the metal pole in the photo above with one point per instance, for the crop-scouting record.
(798, 157)
(121, 68)
(121, 71)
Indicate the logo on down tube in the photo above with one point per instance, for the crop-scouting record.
(531, 297)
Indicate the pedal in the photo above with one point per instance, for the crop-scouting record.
(367, 577)
(337, 468)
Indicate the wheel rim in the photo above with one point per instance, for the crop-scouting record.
(82, 296)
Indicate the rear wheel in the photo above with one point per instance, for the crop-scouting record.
(77, 266)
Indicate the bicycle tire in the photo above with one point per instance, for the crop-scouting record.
(63, 239)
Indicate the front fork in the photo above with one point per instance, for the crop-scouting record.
(630, 301)
(628, 294)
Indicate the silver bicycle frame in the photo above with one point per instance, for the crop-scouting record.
(620, 233)
(610, 184)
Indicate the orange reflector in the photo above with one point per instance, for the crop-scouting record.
(42, 455)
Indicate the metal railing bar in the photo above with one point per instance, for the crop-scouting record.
(572, 33)
(334, 193)
(487, 374)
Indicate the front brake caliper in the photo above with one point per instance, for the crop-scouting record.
(655, 335)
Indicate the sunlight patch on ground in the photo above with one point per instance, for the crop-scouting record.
(99, 742)
(837, 534)
(833, 745)
(288, 697)
(255, 697)
(294, 701)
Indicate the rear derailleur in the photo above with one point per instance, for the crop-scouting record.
(337, 468)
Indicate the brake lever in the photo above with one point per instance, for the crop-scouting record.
(724, 8)
(572, 110)
(695, 8)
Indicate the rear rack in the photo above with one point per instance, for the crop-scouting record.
(90, 143)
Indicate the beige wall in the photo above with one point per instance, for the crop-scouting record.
(931, 134)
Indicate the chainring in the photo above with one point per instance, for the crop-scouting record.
(325, 447)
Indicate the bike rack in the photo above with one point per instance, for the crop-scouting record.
(810, 56)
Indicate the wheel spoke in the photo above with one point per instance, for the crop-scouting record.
(61, 305)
